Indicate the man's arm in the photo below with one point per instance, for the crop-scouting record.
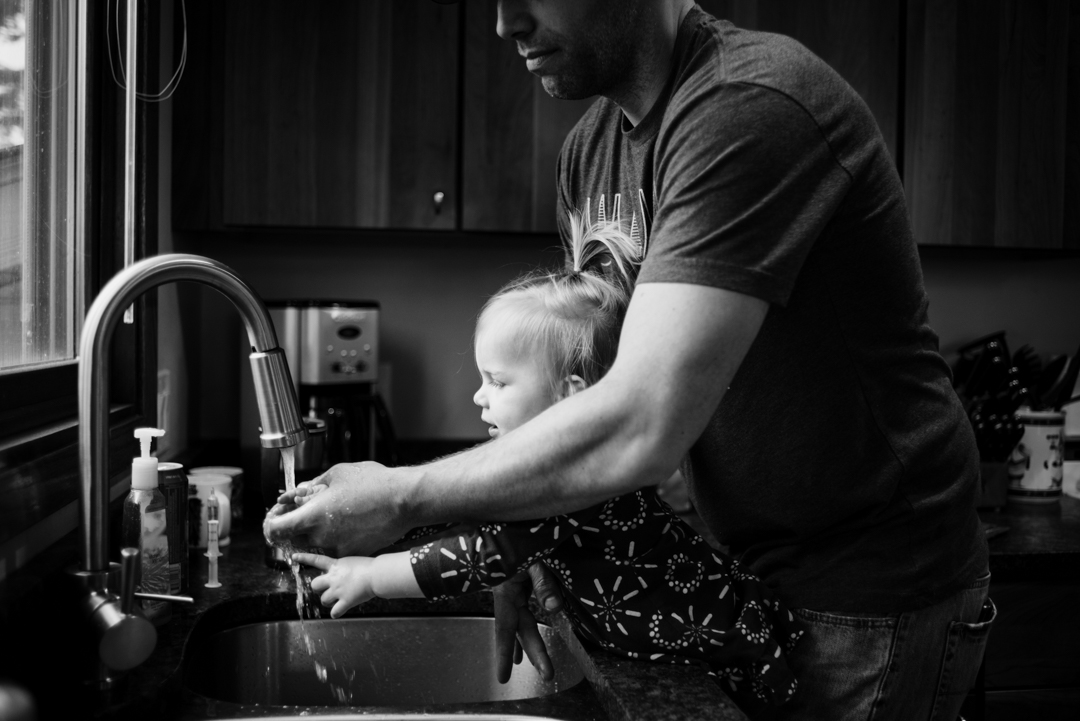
(680, 347)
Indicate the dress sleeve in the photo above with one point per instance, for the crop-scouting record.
(422, 532)
(486, 556)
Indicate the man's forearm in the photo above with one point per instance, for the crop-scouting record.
(581, 451)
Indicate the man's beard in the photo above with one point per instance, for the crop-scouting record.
(606, 68)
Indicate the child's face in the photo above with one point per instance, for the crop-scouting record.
(513, 385)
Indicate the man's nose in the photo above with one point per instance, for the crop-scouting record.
(514, 19)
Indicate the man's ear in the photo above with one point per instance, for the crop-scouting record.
(572, 384)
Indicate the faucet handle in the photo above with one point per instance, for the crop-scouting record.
(129, 574)
(164, 597)
(126, 637)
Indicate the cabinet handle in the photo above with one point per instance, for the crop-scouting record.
(438, 200)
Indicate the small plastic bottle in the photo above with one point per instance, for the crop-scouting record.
(144, 527)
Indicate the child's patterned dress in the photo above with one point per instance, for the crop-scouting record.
(638, 581)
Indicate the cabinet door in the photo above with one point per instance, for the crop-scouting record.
(987, 122)
(859, 39)
(340, 114)
(513, 132)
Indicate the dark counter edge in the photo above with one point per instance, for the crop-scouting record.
(625, 689)
(1041, 545)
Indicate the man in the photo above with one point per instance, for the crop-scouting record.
(777, 340)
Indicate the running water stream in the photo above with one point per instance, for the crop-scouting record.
(288, 462)
(342, 693)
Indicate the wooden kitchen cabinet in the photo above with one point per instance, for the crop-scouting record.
(1031, 666)
(992, 114)
(859, 39)
(513, 132)
(335, 114)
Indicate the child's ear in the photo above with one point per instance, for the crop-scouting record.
(572, 384)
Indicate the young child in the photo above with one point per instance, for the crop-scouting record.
(636, 579)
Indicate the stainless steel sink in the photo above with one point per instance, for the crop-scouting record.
(305, 716)
(399, 661)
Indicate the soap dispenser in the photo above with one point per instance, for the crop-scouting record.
(144, 527)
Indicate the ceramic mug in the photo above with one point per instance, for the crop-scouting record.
(1035, 464)
(236, 494)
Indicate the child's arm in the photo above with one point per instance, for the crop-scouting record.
(492, 553)
(348, 582)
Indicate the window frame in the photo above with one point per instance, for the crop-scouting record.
(39, 474)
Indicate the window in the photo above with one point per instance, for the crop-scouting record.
(61, 239)
(38, 270)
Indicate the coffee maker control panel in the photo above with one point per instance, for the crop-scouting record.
(340, 345)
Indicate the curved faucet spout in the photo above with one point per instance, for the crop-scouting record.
(278, 408)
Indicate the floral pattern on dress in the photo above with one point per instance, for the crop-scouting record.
(638, 582)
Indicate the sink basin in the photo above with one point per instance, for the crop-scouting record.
(398, 661)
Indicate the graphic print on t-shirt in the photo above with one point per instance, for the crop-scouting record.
(640, 219)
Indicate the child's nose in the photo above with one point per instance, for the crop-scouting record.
(479, 398)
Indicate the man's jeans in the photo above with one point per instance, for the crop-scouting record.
(915, 666)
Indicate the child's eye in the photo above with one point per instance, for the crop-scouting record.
(495, 384)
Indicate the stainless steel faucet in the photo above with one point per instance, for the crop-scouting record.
(126, 639)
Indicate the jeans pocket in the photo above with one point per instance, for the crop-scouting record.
(964, 649)
(840, 664)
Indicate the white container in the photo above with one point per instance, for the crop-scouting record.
(1035, 465)
(236, 492)
(1070, 485)
(199, 490)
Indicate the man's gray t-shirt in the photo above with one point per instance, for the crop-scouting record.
(840, 465)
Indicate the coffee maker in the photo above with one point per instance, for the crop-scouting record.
(332, 348)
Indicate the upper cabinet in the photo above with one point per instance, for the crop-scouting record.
(331, 114)
(513, 131)
(981, 98)
(993, 122)
(859, 39)
(414, 114)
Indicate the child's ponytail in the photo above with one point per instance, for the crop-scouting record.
(572, 317)
(601, 246)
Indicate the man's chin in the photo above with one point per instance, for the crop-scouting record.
(563, 89)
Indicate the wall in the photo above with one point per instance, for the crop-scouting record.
(431, 289)
(1035, 301)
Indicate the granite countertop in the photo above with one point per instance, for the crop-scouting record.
(617, 688)
(1041, 543)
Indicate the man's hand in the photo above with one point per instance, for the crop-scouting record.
(515, 626)
(356, 511)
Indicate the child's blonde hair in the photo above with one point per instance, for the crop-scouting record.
(571, 318)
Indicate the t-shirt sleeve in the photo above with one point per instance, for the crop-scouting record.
(745, 183)
(486, 556)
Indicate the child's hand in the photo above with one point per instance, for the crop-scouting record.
(302, 494)
(345, 583)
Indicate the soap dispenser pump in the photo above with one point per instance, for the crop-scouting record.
(144, 527)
